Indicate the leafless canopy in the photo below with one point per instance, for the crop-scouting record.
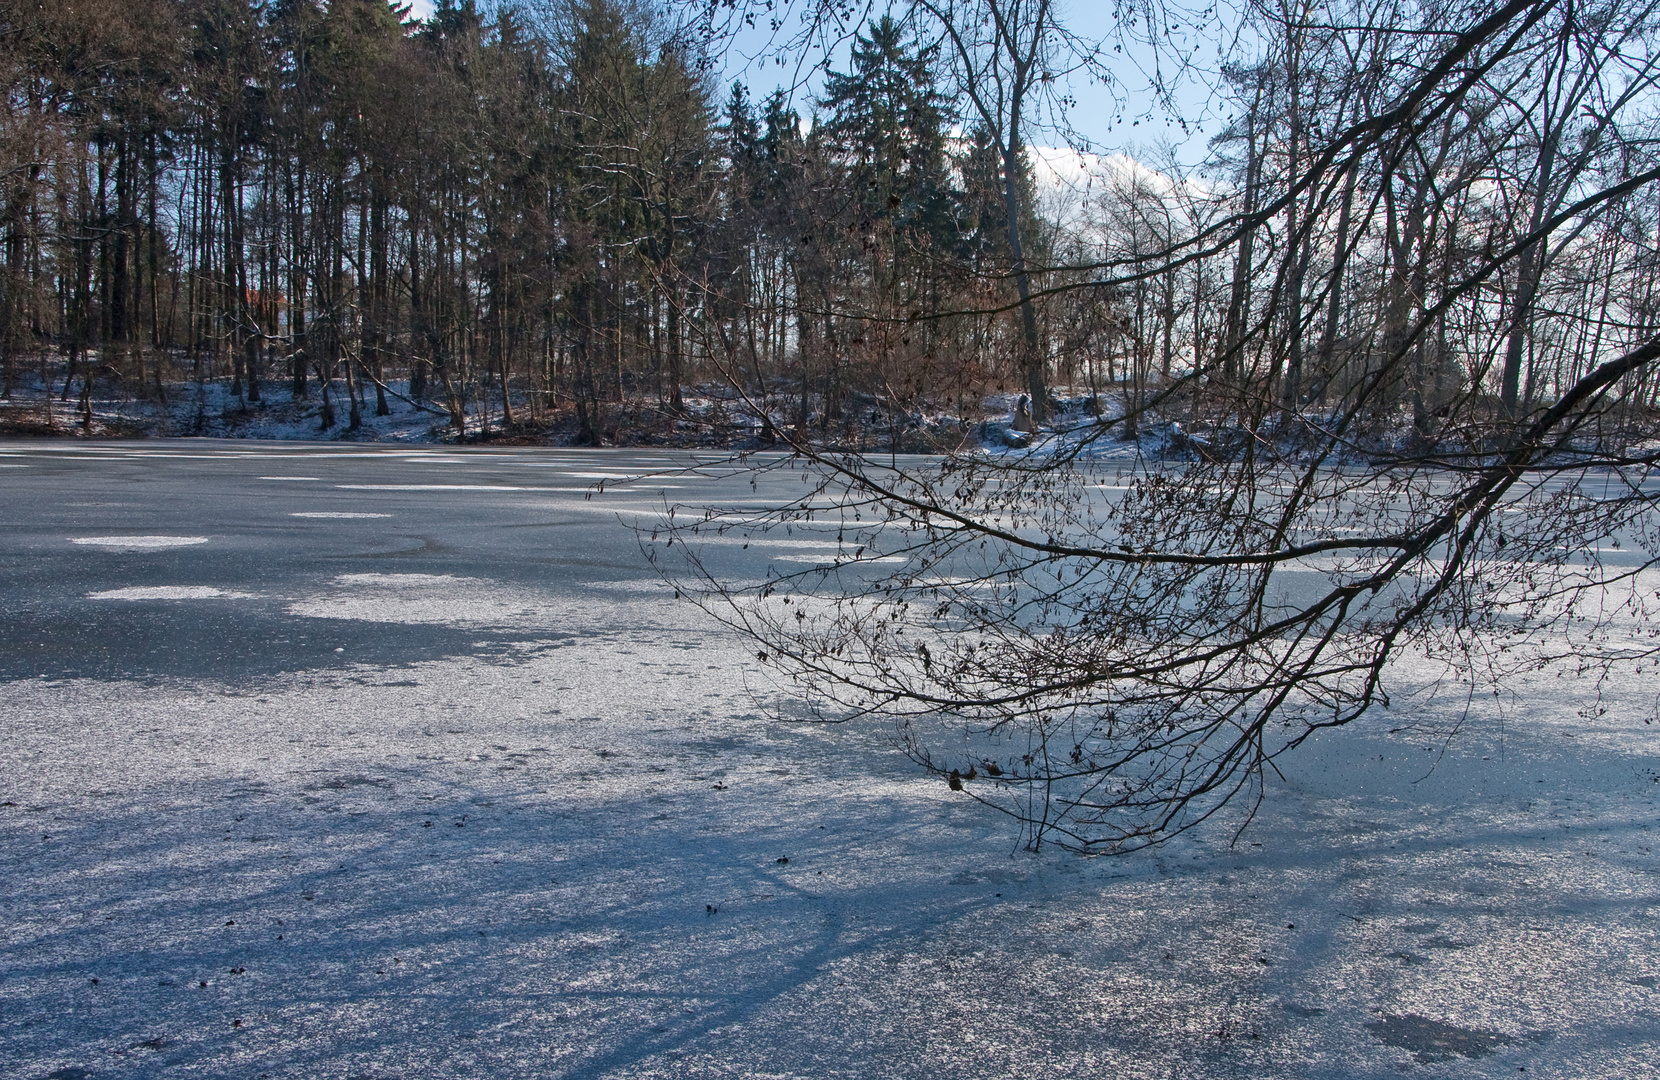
(1406, 405)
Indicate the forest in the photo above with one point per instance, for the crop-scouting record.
(553, 221)
(512, 214)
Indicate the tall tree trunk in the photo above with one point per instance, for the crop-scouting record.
(586, 395)
(153, 240)
(672, 331)
(1527, 280)
(1032, 355)
(120, 287)
(1324, 352)
(377, 313)
(338, 357)
(419, 330)
(297, 285)
(1297, 227)
(1239, 297)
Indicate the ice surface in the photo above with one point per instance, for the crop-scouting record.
(543, 835)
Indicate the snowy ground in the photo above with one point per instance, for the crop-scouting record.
(210, 408)
(340, 762)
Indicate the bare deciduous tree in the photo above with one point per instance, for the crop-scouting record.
(1115, 650)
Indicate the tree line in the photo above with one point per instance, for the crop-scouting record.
(522, 214)
(509, 214)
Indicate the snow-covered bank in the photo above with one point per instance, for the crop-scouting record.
(711, 416)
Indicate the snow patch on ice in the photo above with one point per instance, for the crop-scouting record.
(169, 592)
(441, 487)
(423, 599)
(795, 543)
(607, 476)
(648, 586)
(334, 514)
(850, 560)
(138, 543)
(480, 603)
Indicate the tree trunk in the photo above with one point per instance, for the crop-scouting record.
(1031, 358)
(1239, 298)
(1527, 286)
(297, 281)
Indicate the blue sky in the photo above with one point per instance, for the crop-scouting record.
(1126, 119)
(1110, 119)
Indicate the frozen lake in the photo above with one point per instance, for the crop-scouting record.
(349, 761)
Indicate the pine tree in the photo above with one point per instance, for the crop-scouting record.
(888, 119)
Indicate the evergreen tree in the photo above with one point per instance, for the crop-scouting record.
(982, 214)
(887, 119)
